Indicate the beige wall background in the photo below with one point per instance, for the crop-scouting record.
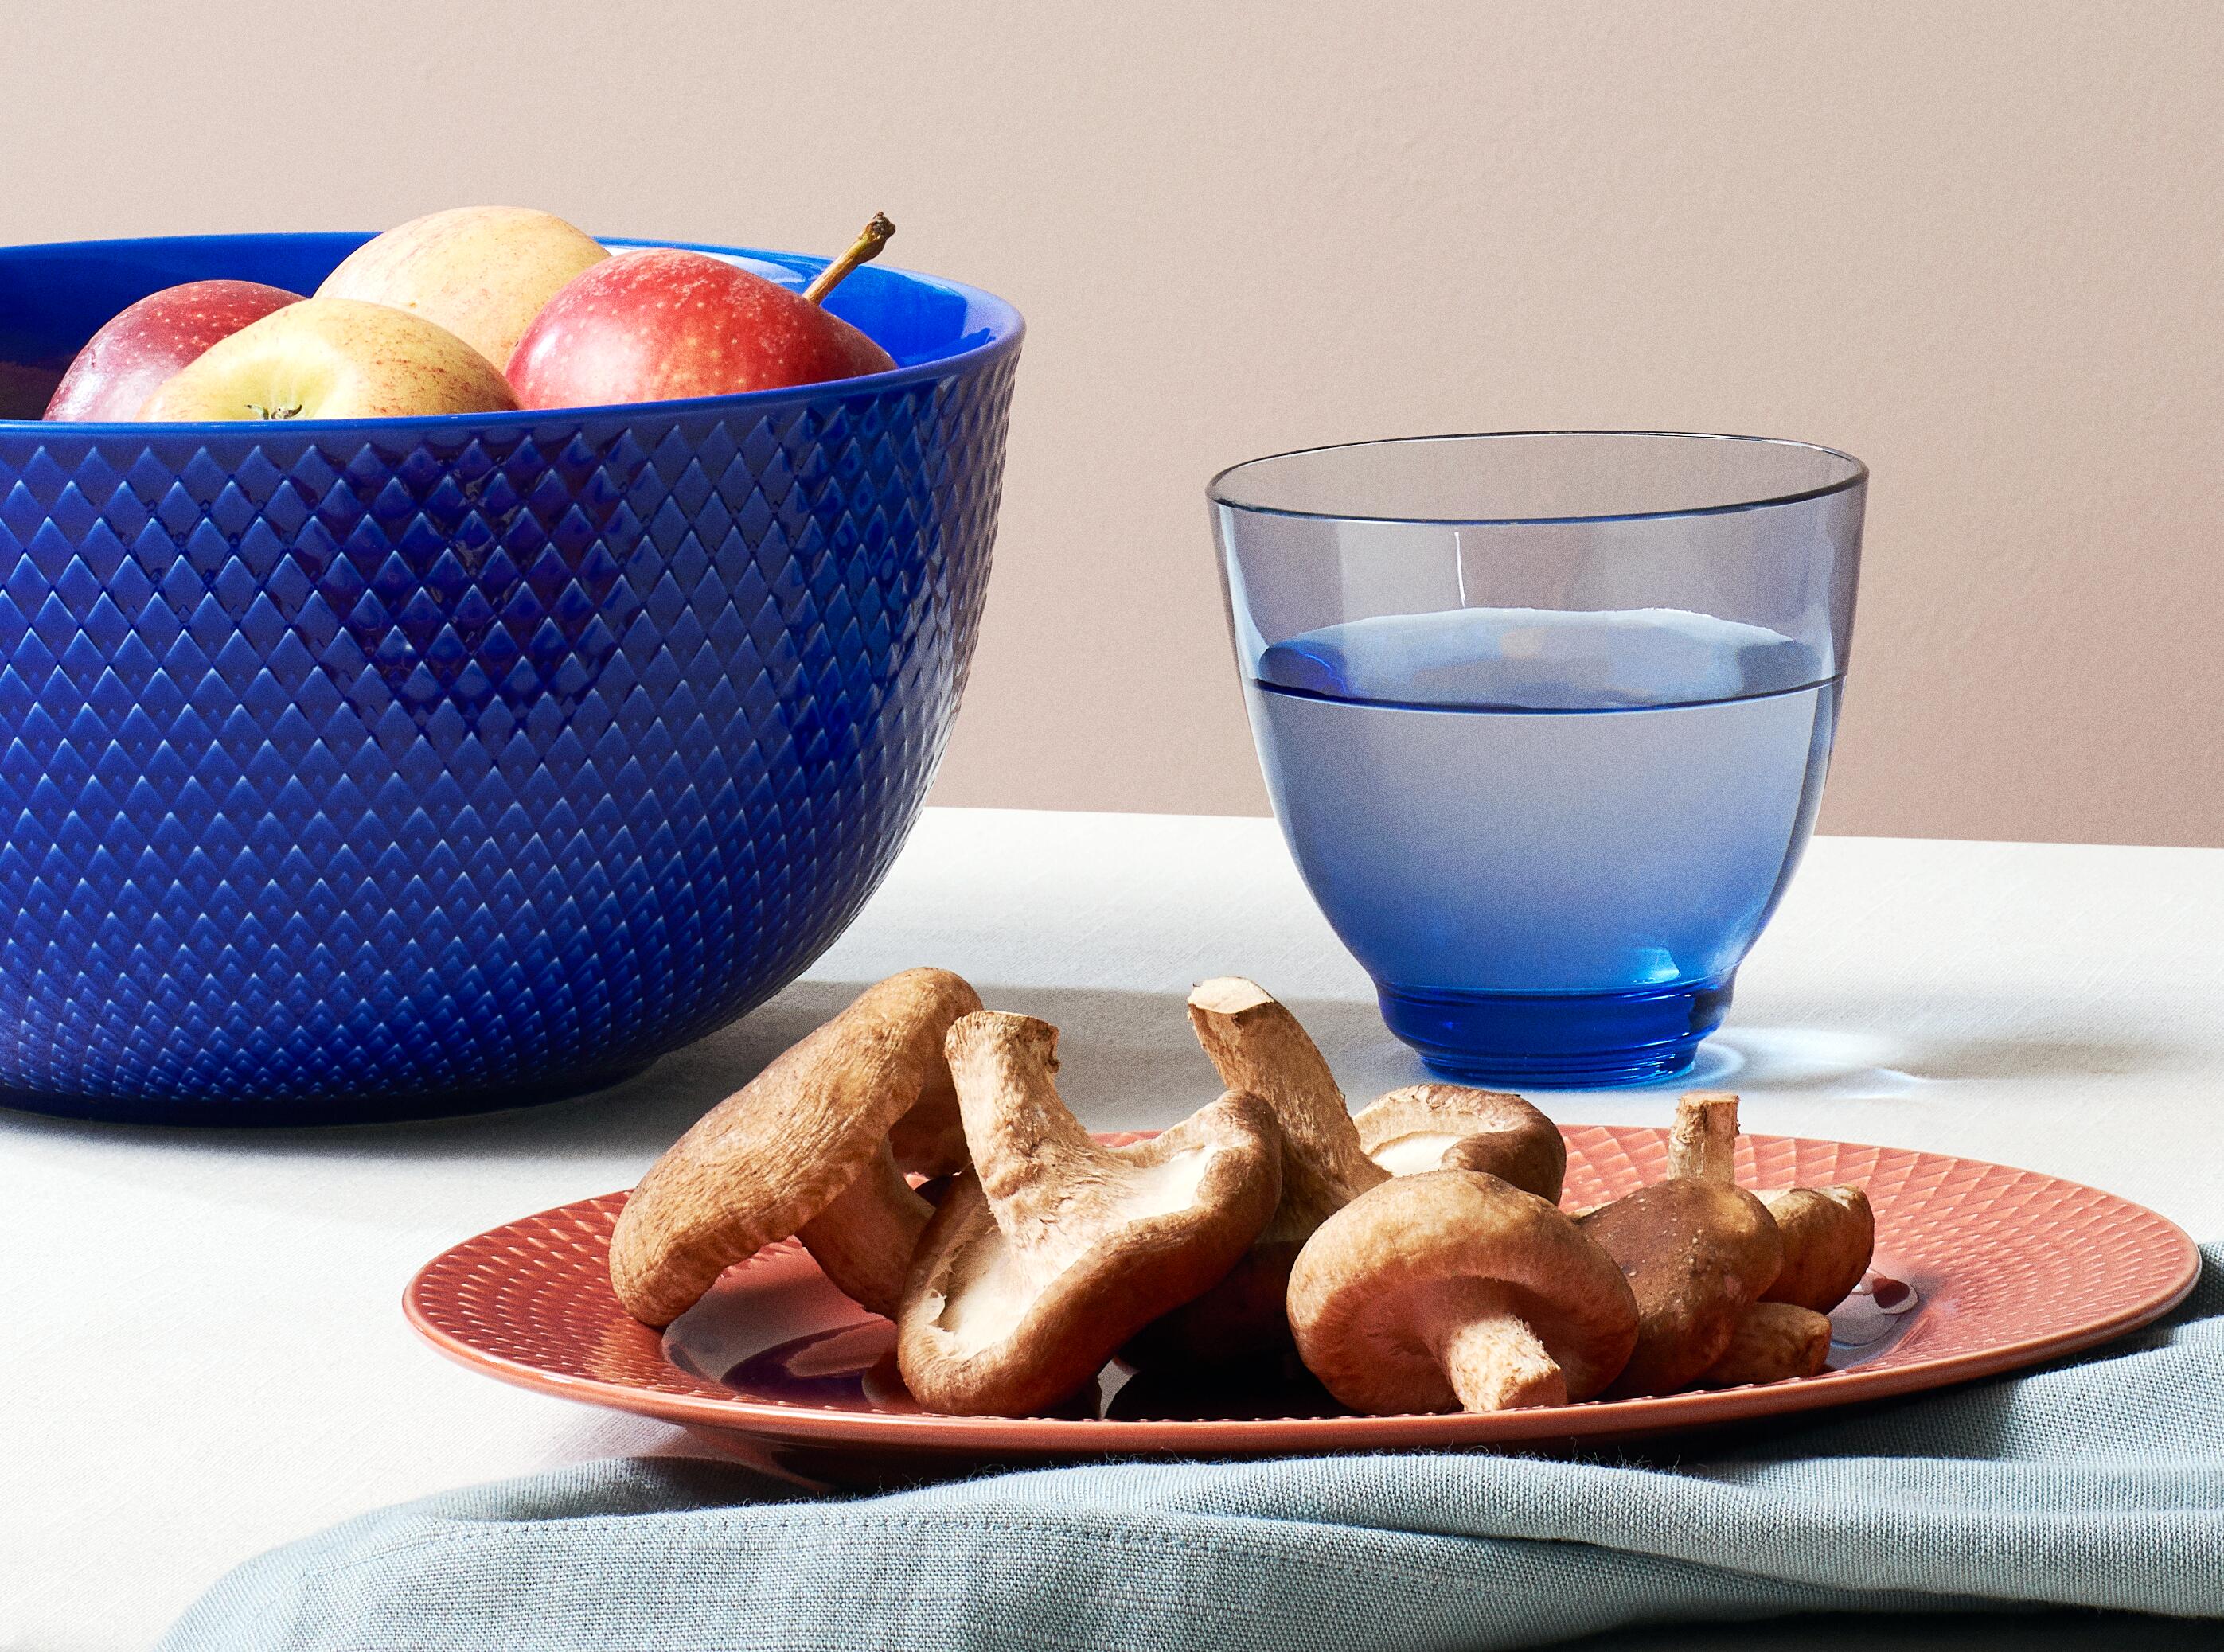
(1980, 245)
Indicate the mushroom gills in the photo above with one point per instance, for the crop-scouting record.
(1410, 1155)
(1171, 1185)
(989, 1301)
(1458, 1344)
(1427, 1127)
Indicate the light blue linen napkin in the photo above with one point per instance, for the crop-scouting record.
(2098, 1483)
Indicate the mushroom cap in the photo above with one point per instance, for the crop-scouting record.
(1773, 1341)
(1374, 1288)
(1829, 1233)
(1427, 1126)
(1829, 1237)
(1238, 1324)
(1053, 1250)
(777, 1152)
(1698, 1254)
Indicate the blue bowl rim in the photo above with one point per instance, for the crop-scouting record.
(1006, 330)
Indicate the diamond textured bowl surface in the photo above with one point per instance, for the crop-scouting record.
(412, 766)
(1983, 1268)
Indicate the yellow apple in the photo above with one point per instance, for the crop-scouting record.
(334, 358)
(481, 272)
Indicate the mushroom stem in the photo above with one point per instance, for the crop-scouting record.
(1702, 1142)
(1257, 1046)
(1028, 1146)
(864, 1239)
(1259, 1049)
(1495, 1363)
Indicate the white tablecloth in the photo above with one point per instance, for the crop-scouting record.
(202, 1353)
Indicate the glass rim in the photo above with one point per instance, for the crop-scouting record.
(1217, 491)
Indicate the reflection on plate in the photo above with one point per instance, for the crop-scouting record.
(852, 1366)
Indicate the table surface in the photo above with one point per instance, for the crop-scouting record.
(203, 1353)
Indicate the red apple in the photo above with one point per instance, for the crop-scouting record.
(659, 324)
(141, 347)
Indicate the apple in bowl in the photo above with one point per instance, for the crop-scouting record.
(334, 358)
(661, 324)
(424, 318)
(144, 343)
(481, 272)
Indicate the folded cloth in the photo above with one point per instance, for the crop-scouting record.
(2095, 1483)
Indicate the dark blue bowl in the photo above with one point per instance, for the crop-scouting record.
(412, 766)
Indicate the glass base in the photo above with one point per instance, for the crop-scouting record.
(1568, 1041)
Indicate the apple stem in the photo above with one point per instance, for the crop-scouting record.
(263, 412)
(866, 248)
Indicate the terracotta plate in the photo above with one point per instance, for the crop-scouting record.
(1979, 1268)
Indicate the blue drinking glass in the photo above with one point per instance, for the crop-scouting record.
(1544, 716)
